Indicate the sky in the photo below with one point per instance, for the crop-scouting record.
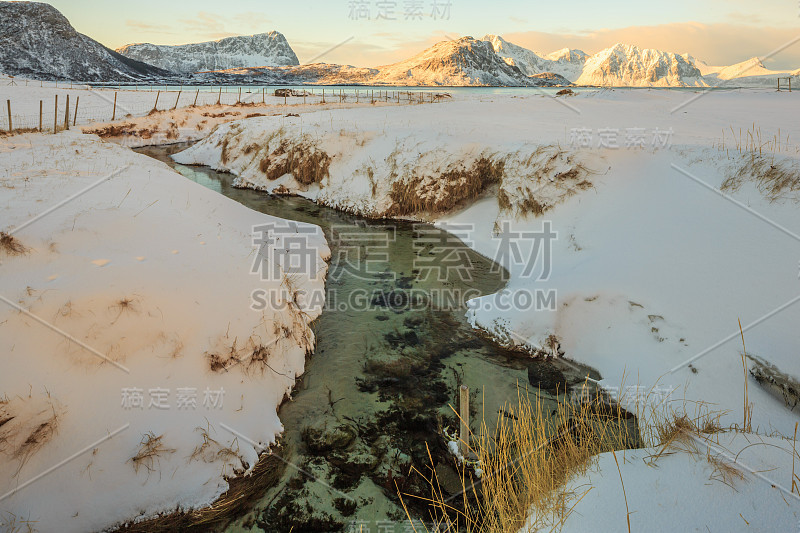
(377, 32)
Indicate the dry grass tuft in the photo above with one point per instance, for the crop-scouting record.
(776, 180)
(527, 460)
(439, 194)
(540, 179)
(151, 449)
(210, 451)
(302, 159)
(10, 245)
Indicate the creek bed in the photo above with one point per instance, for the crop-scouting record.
(376, 393)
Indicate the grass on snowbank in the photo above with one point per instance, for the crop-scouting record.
(527, 461)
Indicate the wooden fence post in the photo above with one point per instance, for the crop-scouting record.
(55, 117)
(263, 96)
(239, 101)
(10, 125)
(66, 115)
(155, 107)
(114, 112)
(75, 115)
(195, 98)
(41, 107)
(463, 438)
(178, 98)
(323, 96)
(219, 97)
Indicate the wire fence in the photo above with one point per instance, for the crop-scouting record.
(55, 106)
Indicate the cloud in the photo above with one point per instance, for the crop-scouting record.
(142, 26)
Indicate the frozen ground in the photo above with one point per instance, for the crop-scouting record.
(652, 268)
(675, 214)
(135, 374)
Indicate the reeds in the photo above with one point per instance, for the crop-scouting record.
(521, 467)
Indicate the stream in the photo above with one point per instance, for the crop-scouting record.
(376, 394)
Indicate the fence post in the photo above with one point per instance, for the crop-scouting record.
(41, 107)
(219, 97)
(55, 117)
(195, 98)
(263, 96)
(178, 98)
(323, 96)
(114, 112)
(66, 115)
(463, 438)
(155, 107)
(10, 125)
(239, 101)
(75, 115)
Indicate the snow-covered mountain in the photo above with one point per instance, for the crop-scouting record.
(750, 73)
(628, 65)
(528, 61)
(566, 62)
(465, 61)
(36, 40)
(263, 49)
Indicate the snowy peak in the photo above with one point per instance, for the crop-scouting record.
(628, 65)
(567, 63)
(529, 62)
(261, 50)
(568, 55)
(465, 61)
(37, 40)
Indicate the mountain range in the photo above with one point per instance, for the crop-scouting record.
(37, 41)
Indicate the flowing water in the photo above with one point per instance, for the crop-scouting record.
(375, 398)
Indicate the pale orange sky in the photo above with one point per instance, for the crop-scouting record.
(729, 31)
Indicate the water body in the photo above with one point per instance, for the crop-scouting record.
(376, 394)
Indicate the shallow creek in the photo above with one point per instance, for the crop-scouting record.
(381, 381)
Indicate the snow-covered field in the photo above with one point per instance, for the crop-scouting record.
(668, 216)
(136, 377)
(653, 266)
(97, 105)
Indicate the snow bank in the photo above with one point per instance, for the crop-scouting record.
(726, 482)
(136, 376)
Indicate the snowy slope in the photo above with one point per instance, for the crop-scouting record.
(527, 61)
(566, 62)
(628, 65)
(263, 49)
(141, 287)
(36, 40)
(728, 482)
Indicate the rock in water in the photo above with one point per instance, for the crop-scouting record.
(544, 375)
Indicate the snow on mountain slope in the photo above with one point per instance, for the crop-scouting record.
(36, 40)
(527, 61)
(628, 65)
(263, 49)
(750, 73)
(465, 61)
(566, 62)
